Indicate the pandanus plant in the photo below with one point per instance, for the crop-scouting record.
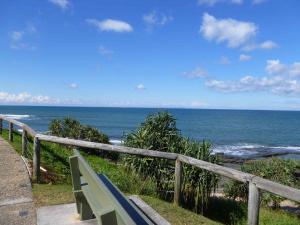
(159, 132)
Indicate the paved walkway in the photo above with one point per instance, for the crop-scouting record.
(16, 203)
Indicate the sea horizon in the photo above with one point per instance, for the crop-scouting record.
(153, 107)
(236, 133)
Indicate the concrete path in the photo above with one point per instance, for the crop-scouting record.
(65, 214)
(16, 203)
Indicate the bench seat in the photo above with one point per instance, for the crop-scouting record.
(96, 196)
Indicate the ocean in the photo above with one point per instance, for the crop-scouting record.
(237, 133)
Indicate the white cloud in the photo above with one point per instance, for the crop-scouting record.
(140, 87)
(154, 19)
(275, 67)
(233, 32)
(22, 46)
(105, 51)
(276, 84)
(196, 73)
(73, 85)
(244, 57)
(110, 25)
(224, 60)
(213, 2)
(25, 98)
(266, 45)
(295, 69)
(63, 4)
(17, 38)
(282, 79)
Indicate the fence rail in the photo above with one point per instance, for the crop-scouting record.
(255, 183)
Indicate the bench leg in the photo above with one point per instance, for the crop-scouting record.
(77, 205)
(83, 207)
(108, 217)
(86, 212)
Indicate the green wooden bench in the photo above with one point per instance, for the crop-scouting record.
(96, 196)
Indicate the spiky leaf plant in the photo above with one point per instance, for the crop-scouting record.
(198, 184)
(159, 132)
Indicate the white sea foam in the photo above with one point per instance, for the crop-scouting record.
(245, 150)
(17, 116)
(20, 130)
(292, 148)
(116, 142)
(248, 150)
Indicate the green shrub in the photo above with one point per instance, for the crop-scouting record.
(159, 132)
(72, 128)
(275, 169)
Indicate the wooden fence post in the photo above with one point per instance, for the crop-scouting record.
(253, 204)
(1, 126)
(11, 130)
(178, 182)
(36, 160)
(24, 143)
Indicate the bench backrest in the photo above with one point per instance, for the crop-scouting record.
(105, 200)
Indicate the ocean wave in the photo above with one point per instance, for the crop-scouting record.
(17, 116)
(245, 150)
(116, 142)
(248, 150)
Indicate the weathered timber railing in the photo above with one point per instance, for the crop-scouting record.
(255, 183)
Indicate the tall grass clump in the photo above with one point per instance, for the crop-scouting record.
(198, 184)
(159, 132)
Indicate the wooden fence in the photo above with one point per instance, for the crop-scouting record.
(255, 183)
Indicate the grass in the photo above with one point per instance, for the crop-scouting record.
(231, 212)
(52, 194)
(17, 142)
(277, 217)
(57, 189)
(55, 158)
(225, 212)
(176, 215)
(45, 194)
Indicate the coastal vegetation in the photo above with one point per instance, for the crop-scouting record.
(159, 132)
(275, 169)
(146, 177)
(56, 187)
(72, 128)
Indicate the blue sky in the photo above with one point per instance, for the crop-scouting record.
(241, 54)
